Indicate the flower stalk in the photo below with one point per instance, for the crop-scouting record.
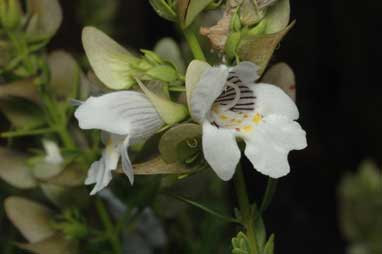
(109, 227)
(246, 212)
(194, 45)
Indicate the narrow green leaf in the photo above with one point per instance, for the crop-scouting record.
(260, 233)
(269, 246)
(204, 208)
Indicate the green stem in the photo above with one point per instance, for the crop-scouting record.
(109, 227)
(22, 133)
(247, 219)
(193, 43)
(177, 88)
(269, 193)
(204, 208)
(18, 40)
(65, 137)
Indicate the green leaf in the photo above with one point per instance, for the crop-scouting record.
(163, 9)
(110, 61)
(65, 74)
(30, 218)
(281, 75)
(157, 166)
(56, 244)
(188, 10)
(14, 169)
(46, 18)
(72, 176)
(260, 233)
(169, 111)
(231, 44)
(21, 88)
(43, 170)
(259, 49)
(170, 141)
(22, 113)
(66, 197)
(240, 244)
(278, 16)
(169, 50)
(270, 245)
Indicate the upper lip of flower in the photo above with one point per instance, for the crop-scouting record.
(129, 117)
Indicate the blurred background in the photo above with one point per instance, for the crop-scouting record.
(335, 51)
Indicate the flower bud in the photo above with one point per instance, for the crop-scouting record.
(231, 44)
(164, 73)
(10, 14)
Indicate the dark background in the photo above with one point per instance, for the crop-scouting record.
(335, 50)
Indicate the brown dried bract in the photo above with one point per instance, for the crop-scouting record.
(218, 34)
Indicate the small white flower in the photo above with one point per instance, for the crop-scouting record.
(229, 104)
(127, 117)
(53, 154)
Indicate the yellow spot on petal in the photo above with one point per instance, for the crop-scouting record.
(238, 121)
(223, 117)
(257, 118)
(245, 116)
(215, 109)
(247, 128)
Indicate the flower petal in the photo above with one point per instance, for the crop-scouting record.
(127, 167)
(109, 60)
(121, 113)
(104, 177)
(271, 99)
(206, 91)
(194, 72)
(269, 144)
(220, 150)
(100, 171)
(246, 71)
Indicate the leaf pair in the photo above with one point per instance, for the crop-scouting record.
(33, 220)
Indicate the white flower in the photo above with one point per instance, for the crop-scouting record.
(229, 104)
(53, 155)
(128, 117)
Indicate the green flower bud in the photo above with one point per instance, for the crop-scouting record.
(152, 57)
(232, 44)
(10, 14)
(164, 73)
(236, 24)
